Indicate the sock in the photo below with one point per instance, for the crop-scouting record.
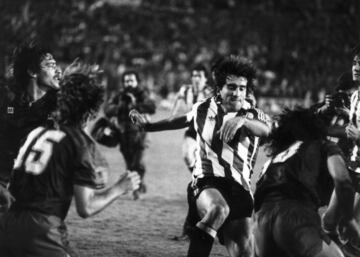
(201, 242)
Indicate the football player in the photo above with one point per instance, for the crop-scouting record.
(52, 166)
(227, 137)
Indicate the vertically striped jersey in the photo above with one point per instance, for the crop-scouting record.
(354, 118)
(235, 159)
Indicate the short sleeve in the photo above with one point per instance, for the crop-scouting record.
(88, 168)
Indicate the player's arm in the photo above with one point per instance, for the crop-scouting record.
(166, 124)
(257, 126)
(344, 190)
(90, 201)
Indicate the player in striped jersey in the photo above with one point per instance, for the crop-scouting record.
(227, 138)
(52, 166)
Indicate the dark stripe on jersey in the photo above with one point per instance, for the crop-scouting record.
(217, 144)
(201, 115)
(251, 152)
(353, 118)
(30, 146)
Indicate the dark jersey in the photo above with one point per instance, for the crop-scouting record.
(47, 167)
(17, 119)
(299, 172)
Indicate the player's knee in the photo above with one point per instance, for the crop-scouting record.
(218, 212)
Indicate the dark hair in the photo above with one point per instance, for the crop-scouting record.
(345, 82)
(26, 57)
(79, 97)
(237, 66)
(200, 67)
(356, 50)
(292, 125)
(130, 72)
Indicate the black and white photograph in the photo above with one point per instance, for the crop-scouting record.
(182, 128)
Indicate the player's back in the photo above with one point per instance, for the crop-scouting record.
(299, 172)
(48, 165)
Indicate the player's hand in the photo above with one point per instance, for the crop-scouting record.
(230, 127)
(129, 182)
(6, 199)
(352, 132)
(138, 118)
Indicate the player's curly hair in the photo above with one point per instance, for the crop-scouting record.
(79, 97)
(26, 57)
(237, 66)
(293, 125)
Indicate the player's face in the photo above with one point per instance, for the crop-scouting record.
(130, 81)
(356, 69)
(233, 93)
(198, 78)
(49, 74)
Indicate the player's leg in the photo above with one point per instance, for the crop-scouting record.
(213, 211)
(331, 218)
(238, 237)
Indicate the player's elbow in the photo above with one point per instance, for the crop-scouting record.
(83, 213)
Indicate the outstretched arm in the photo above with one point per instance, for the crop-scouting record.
(166, 124)
(90, 201)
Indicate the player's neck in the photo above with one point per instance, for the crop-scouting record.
(34, 91)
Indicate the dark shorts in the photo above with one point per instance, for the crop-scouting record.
(29, 233)
(238, 199)
(288, 228)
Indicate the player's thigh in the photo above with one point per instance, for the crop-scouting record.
(210, 199)
(238, 232)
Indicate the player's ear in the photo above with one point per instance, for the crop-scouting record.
(31, 73)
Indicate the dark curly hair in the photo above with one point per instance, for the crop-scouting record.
(79, 97)
(293, 125)
(26, 57)
(237, 66)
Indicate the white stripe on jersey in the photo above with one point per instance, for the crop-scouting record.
(234, 160)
